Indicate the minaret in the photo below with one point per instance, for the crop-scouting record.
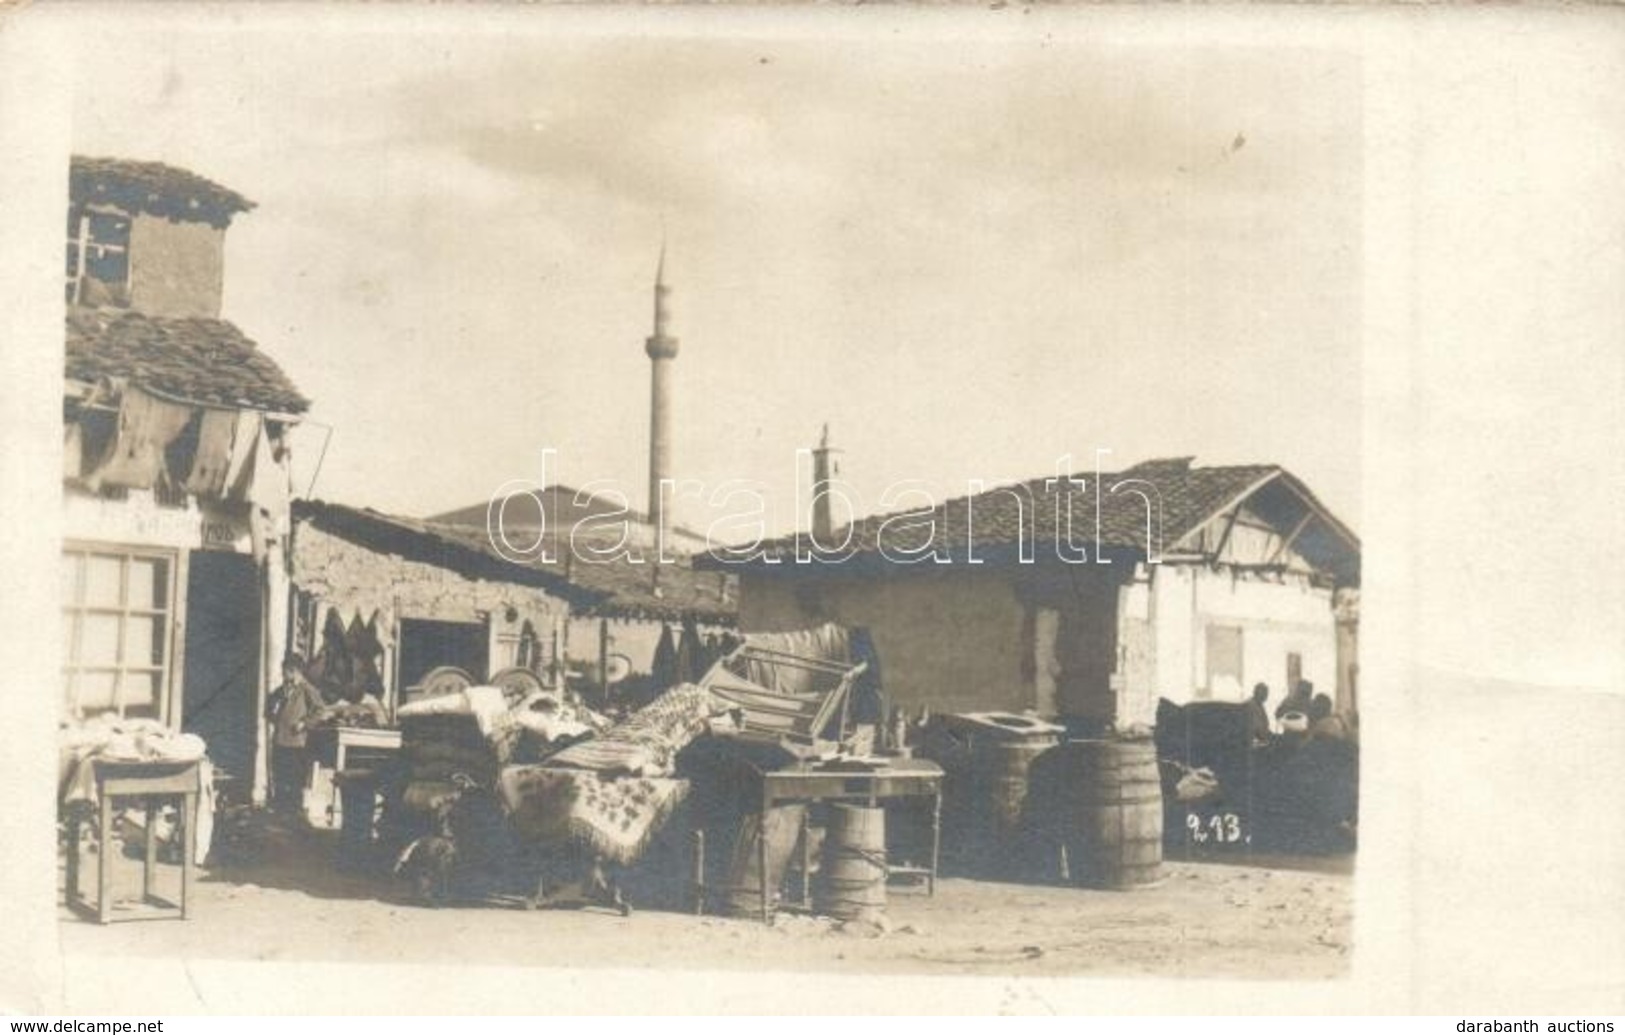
(823, 525)
(662, 349)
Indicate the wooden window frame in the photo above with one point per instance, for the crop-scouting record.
(73, 609)
(81, 242)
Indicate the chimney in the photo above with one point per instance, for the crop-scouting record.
(824, 471)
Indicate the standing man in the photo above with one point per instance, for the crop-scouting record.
(1260, 717)
(291, 710)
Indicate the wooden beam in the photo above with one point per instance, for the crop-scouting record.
(1286, 544)
(1224, 537)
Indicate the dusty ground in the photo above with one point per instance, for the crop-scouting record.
(1204, 919)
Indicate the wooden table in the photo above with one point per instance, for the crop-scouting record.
(334, 744)
(151, 781)
(805, 782)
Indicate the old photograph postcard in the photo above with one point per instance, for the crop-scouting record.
(789, 509)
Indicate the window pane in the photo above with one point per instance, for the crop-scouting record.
(106, 228)
(144, 640)
(102, 580)
(95, 691)
(149, 583)
(107, 266)
(140, 693)
(98, 640)
(71, 563)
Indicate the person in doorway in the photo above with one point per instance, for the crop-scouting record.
(292, 709)
(1259, 715)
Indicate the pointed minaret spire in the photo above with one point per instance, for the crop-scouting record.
(661, 348)
(662, 294)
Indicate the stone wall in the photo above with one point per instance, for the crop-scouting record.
(958, 640)
(1100, 644)
(176, 268)
(1277, 615)
(354, 579)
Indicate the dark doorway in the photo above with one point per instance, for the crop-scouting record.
(428, 644)
(221, 678)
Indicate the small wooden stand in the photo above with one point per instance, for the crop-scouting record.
(151, 781)
(803, 782)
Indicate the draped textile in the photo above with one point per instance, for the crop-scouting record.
(216, 436)
(827, 642)
(614, 817)
(135, 458)
(647, 743)
(128, 740)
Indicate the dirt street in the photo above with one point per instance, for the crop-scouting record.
(1202, 920)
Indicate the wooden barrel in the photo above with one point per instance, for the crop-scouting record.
(1108, 812)
(852, 881)
(1001, 778)
(781, 827)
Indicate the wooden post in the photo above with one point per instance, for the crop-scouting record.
(151, 860)
(104, 863)
(189, 807)
(274, 620)
(697, 887)
(603, 657)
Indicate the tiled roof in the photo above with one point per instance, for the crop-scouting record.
(1189, 497)
(557, 508)
(643, 590)
(153, 187)
(191, 358)
(561, 505)
(419, 541)
(612, 588)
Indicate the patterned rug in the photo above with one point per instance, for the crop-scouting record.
(614, 817)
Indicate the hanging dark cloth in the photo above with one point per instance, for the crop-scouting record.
(663, 672)
(868, 699)
(331, 669)
(529, 655)
(361, 643)
(691, 660)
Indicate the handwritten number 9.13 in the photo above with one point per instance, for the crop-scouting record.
(1221, 827)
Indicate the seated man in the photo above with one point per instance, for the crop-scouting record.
(1324, 723)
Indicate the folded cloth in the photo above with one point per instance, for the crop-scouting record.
(615, 818)
(487, 704)
(1196, 785)
(559, 703)
(550, 726)
(445, 704)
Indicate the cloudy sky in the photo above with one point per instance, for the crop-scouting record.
(970, 258)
